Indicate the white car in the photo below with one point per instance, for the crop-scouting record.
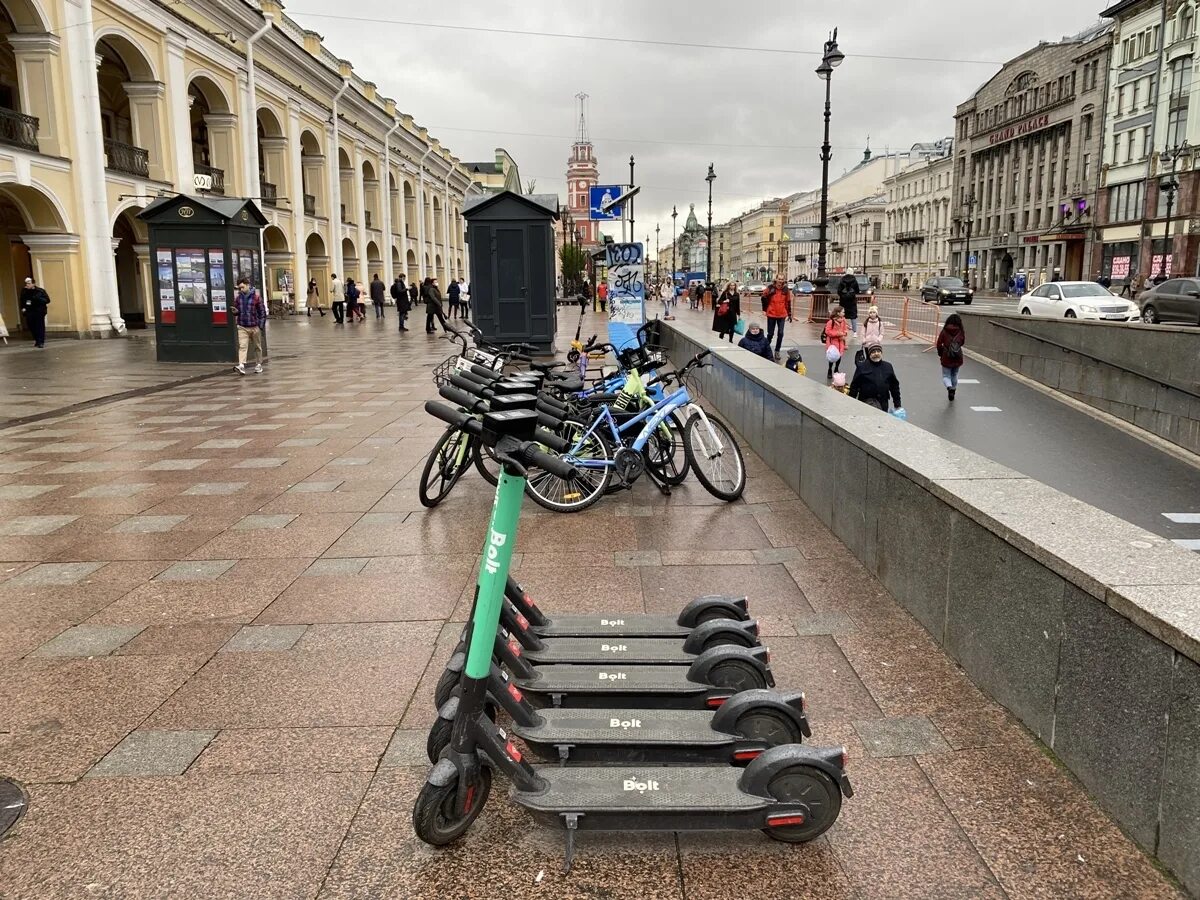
(1077, 300)
(755, 290)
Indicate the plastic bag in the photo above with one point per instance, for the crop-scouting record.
(900, 414)
(833, 354)
(739, 327)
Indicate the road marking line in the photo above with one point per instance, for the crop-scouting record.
(1184, 518)
(1188, 545)
(986, 409)
(968, 381)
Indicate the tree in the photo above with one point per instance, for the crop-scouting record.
(574, 264)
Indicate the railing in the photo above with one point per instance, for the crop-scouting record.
(18, 129)
(310, 205)
(126, 158)
(910, 237)
(268, 193)
(217, 175)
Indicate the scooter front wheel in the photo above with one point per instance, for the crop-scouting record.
(437, 818)
(813, 789)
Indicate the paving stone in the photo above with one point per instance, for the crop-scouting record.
(347, 566)
(90, 466)
(314, 487)
(260, 523)
(900, 736)
(190, 429)
(634, 558)
(13, 466)
(54, 573)
(260, 427)
(114, 490)
(407, 748)
(824, 623)
(175, 465)
(301, 442)
(67, 447)
(150, 753)
(146, 524)
(769, 555)
(166, 420)
(34, 525)
(228, 417)
(263, 638)
(89, 640)
(147, 445)
(215, 488)
(223, 444)
(352, 461)
(260, 462)
(200, 570)
(25, 491)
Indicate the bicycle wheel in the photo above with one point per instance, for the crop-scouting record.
(559, 495)
(665, 452)
(715, 456)
(485, 463)
(446, 463)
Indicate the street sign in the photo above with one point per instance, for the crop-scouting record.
(971, 261)
(202, 182)
(804, 233)
(600, 196)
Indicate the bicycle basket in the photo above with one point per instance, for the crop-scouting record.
(641, 358)
(443, 370)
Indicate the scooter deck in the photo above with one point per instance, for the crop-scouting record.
(612, 626)
(635, 727)
(607, 680)
(608, 649)
(706, 791)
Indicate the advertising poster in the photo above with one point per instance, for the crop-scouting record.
(216, 280)
(256, 279)
(191, 273)
(626, 293)
(166, 286)
(245, 268)
(1120, 268)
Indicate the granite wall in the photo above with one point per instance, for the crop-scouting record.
(1084, 626)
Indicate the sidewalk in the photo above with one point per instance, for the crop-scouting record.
(223, 611)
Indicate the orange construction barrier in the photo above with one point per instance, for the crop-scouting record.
(920, 321)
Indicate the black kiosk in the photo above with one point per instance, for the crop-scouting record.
(199, 248)
(511, 239)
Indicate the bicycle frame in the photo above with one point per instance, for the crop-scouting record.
(653, 417)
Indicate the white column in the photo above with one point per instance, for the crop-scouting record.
(93, 227)
(334, 215)
(296, 200)
(179, 112)
(249, 148)
(403, 227)
(361, 203)
(447, 266)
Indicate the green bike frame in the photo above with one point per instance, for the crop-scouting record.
(493, 573)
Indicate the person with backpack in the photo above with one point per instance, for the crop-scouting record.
(400, 298)
(250, 316)
(833, 336)
(875, 381)
(847, 291)
(726, 311)
(950, 352)
(33, 303)
(777, 304)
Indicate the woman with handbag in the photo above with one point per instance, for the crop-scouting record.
(833, 336)
(726, 312)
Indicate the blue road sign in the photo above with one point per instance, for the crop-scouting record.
(971, 261)
(600, 195)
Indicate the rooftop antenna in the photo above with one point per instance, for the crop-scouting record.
(582, 137)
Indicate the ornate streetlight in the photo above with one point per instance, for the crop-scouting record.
(1171, 185)
(831, 60)
(674, 266)
(710, 178)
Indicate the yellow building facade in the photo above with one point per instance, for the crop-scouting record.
(105, 106)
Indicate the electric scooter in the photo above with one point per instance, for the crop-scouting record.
(792, 792)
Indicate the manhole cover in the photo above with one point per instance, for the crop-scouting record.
(12, 804)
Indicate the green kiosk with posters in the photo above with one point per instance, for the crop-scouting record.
(199, 248)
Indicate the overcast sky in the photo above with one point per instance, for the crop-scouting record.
(755, 114)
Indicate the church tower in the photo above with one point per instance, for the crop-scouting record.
(582, 174)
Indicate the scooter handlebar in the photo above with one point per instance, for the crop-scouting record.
(555, 465)
(453, 417)
(464, 399)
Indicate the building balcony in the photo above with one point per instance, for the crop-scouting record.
(126, 158)
(18, 130)
(268, 193)
(310, 205)
(217, 176)
(910, 237)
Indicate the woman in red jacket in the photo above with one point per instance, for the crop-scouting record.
(950, 351)
(833, 336)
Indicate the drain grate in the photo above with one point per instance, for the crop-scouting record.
(13, 803)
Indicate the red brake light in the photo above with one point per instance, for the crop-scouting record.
(515, 692)
(514, 648)
(522, 622)
(529, 601)
(781, 821)
(513, 753)
(715, 702)
(746, 755)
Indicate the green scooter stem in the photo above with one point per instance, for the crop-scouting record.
(493, 573)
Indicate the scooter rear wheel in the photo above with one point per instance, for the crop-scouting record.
(813, 788)
(437, 819)
(439, 734)
(769, 726)
(445, 687)
(736, 674)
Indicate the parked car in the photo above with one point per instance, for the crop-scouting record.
(755, 290)
(1175, 300)
(865, 288)
(804, 286)
(946, 289)
(1077, 300)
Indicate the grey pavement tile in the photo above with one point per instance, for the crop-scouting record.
(634, 511)
(406, 748)
(381, 520)
(329, 426)
(263, 523)
(260, 462)
(301, 442)
(293, 415)
(228, 417)
(93, 465)
(351, 461)
(25, 491)
(314, 487)
(114, 490)
(146, 524)
(34, 525)
(770, 555)
(67, 447)
(320, 404)
(223, 444)
(264, 638)
(190, 429)
(148, 445)
(262, 426)
(89, 640)
(54, 573)
(215, 488)
(150, 753)
(198, 570)
(13, 466)
(900, 736)
(176, 465)
(166, 420)
(634, 558)
(346, 566)
(824, 623)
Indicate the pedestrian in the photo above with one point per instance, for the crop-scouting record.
(33, 303)
(314, 299)
(872, 325)
(414, 295)
(666, 293)
(950, 351)
(833, 336)
(847, 291)
(875, 381)
(1058, 274)
(433, 306)
(399, 294)
(602, 296)
(250, 314)
(337, 300)
(352, 295)
(453, 297)
(795, 362)
(1105, 282)
(726, 312)
(378, 292)
(777, 304)
(904, 284)
(756, 341)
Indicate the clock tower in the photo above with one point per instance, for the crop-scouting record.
(582, 175)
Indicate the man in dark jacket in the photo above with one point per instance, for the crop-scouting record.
(847, 292)
(33, 303)
(755, 340)
(453, 295)
(400, 298)
(875, 380)
(377, 294)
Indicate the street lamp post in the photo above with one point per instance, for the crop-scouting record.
(1171, 185)
(831, 60)
(674, 267)
(969, 206)
(866, 225)
(710, 178)
(657, 267)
